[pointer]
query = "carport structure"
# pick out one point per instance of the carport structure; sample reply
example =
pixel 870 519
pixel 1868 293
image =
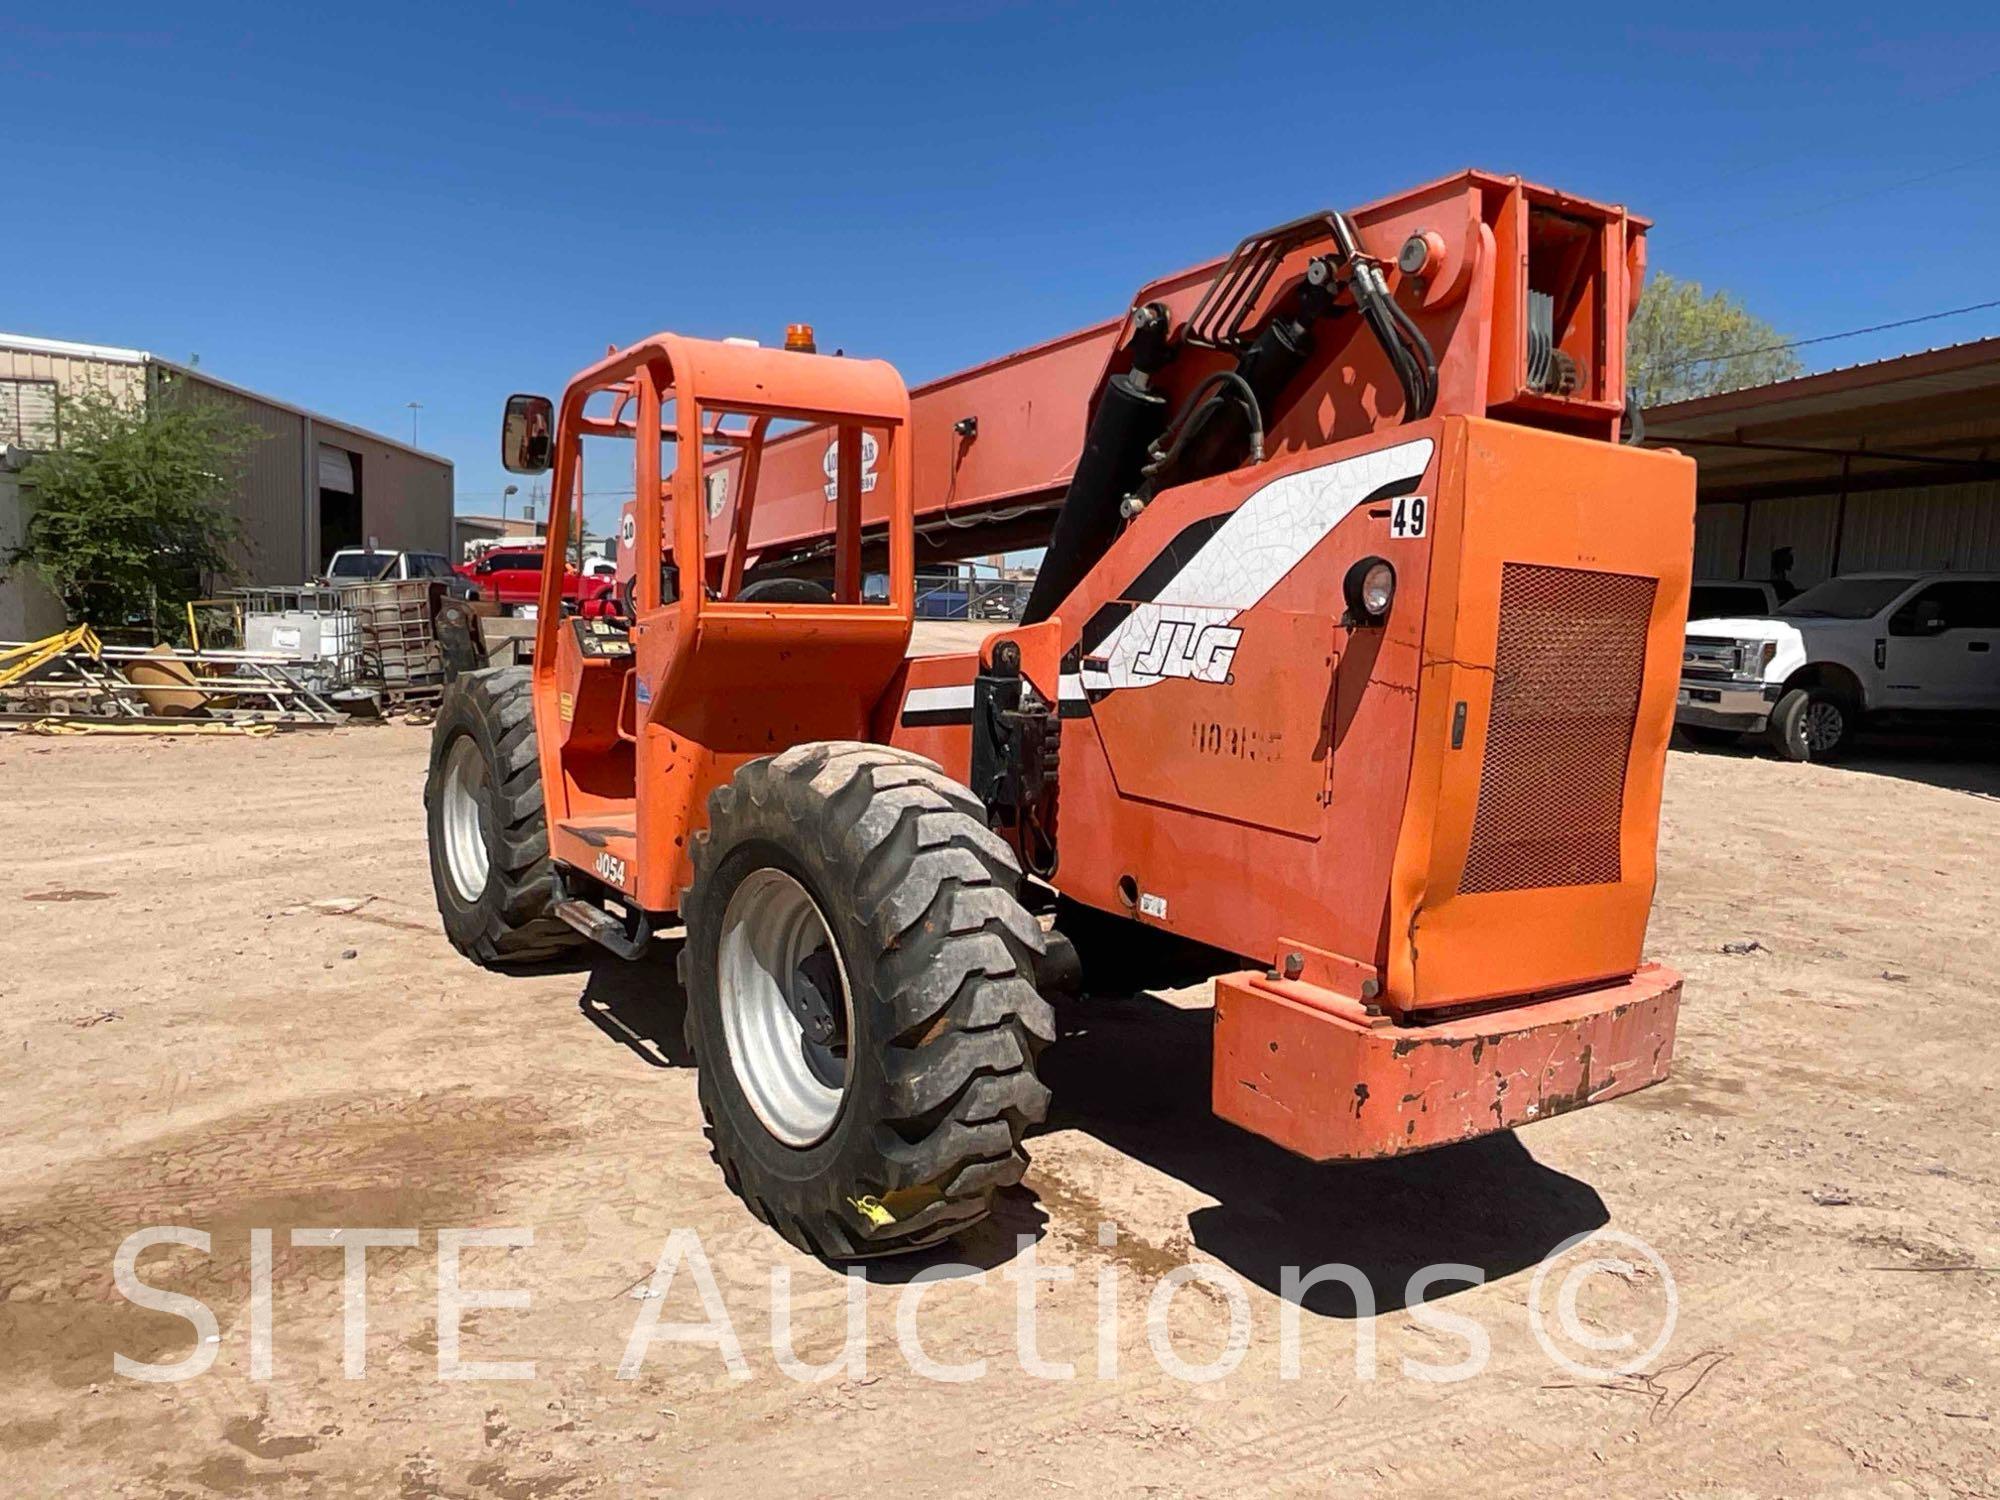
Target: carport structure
pixel 1894 464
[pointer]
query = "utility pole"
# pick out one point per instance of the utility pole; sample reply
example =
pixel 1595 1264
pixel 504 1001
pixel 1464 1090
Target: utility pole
pixel 415 407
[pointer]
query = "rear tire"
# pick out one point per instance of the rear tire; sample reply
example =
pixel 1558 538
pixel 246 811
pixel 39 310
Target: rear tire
pixel 928 1083
pixel 489 841
pixel 1812 724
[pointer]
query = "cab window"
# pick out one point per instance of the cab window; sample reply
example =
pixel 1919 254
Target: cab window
pixel 1716 601
pixel 1844 598
pixel 362 565
pixel 1964 605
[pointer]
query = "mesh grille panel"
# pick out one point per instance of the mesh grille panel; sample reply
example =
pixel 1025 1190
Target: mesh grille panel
pixel 1571 653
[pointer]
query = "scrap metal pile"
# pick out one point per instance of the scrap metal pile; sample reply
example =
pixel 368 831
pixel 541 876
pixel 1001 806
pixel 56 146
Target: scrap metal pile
pixel 369 640
pixel 75 678
pixel 308 657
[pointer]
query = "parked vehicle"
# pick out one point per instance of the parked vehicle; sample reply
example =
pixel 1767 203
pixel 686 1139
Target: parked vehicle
pixel 364 565
pixel 512 577
pixel 1849 649
pixel 1731 599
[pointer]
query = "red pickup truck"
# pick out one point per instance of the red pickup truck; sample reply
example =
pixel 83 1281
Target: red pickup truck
pixel 512 577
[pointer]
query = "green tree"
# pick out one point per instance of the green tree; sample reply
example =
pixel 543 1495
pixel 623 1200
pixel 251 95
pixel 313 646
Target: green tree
pixel 130 513
pixel 1685 342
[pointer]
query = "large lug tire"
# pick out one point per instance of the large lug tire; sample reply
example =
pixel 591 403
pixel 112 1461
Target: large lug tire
pixel 489 839
pixel 869 877
pixel 1812 723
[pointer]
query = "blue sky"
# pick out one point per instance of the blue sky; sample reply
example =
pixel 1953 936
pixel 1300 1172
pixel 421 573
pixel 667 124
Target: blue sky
pixel 356 206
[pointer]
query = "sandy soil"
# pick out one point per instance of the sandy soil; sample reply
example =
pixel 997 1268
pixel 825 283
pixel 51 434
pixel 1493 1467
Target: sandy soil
pixel 224 1004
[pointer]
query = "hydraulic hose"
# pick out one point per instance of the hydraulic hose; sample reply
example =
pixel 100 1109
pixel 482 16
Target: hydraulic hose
pixel 1409 352
pixel 1184 424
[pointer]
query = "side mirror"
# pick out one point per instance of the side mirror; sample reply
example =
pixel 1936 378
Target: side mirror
pixel 527 435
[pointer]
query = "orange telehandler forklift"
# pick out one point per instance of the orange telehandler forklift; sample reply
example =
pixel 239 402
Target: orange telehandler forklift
pixel 1353 653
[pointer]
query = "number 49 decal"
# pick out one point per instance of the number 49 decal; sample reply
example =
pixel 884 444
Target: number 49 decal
pixel 1409 516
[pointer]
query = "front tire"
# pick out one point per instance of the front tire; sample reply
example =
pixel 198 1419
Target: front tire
pixel 489 841
pixel 861 1001
pixel 1812 724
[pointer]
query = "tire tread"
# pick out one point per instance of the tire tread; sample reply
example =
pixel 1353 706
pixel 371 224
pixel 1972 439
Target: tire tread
pixel 936 890
pixel 520 928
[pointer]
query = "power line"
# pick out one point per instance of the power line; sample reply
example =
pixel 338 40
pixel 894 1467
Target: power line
pixel 1885 124
pixel 1827 338
pixel 1842 201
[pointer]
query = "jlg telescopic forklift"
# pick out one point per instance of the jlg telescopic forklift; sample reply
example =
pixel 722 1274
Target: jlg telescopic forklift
pixel 1353 653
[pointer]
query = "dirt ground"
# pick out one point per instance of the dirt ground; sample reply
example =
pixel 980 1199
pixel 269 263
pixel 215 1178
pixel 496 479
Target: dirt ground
pixel 225 1004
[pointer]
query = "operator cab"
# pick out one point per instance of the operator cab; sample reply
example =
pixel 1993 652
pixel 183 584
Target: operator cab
pixel 650 695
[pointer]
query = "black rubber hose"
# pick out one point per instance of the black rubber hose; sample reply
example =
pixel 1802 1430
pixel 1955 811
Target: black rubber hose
pixel 1128 420
pixel 1193 413
pixel 1381 318
pixel 1420 349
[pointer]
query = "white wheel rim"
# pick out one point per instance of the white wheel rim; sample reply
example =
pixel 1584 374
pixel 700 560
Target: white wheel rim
pixel 1823 725
pixel 465 814
pixel 771 927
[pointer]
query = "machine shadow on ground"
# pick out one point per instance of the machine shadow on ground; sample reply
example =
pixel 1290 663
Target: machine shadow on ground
pixel 1134 1073
pixel 639 1004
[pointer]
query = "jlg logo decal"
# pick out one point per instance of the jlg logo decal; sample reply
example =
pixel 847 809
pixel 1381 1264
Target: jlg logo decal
pixel 1186 629
pixel 1185 648
pixel 611 870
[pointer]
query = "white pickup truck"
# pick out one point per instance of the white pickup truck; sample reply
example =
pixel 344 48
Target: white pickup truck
pixel 1731 599
pixel 365 565
pixel 1850 648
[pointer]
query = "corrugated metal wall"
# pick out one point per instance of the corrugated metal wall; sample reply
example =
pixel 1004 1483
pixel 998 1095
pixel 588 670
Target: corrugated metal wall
pixel 268 501
pixel 1929 527
pixel 70 372
pixel 406 496
pixel 1954 526
pixel 28 611
pixel 1718 540
pixel 406 499
pixel 1806 524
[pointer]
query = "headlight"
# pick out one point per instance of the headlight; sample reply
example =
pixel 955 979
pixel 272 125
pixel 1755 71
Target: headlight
pixel 1752 657
pixel 1370 587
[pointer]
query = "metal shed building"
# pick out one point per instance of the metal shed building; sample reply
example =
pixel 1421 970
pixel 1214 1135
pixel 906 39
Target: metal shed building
pixel 1894 464
pixel 312 484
